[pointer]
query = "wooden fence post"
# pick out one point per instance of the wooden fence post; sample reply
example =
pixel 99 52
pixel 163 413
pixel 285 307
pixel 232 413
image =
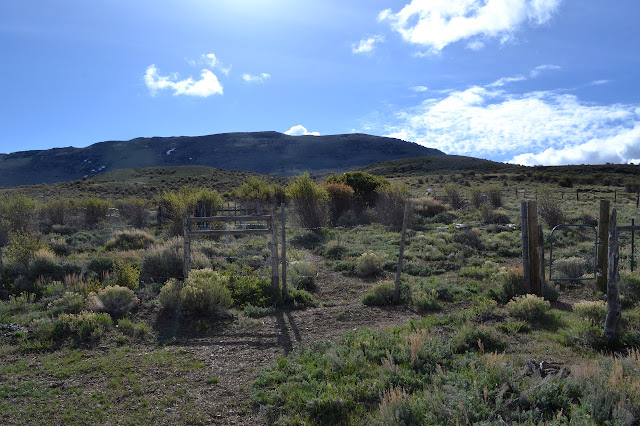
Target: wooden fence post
pixel 543 282
pixel 603 247
pixel 284 252
pixel 614 308
pixel 186 264
pixel 275 283
pixel 534 258
pixel 525 245
pixel 405 219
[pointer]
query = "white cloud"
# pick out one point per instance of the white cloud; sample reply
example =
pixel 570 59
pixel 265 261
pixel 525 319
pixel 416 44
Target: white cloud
pixel 475 45
pixel 540 127
pixel 419 89
pixel 207 85
pixel 211 60
pixel 367 45
pixel 261 78
pixel 547 67
pixel 300 130
pixel 438 23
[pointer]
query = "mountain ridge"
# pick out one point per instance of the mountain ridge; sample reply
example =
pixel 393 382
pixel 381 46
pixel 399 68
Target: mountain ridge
pixel 266 152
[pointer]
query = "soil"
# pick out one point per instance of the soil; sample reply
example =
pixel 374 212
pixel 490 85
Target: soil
pixel 241 346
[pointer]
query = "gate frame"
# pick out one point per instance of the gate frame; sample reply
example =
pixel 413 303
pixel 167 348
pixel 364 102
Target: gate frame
pixel 595 257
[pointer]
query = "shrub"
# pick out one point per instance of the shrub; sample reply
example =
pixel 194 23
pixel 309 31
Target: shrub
pixel 169 296
pixel 310 202
pixel 134 239
pixel 303 274
pixel 494 194
pixel 22 246
pixel 570 267
pixel 494 217
pixel 632 185
pixel 126 275
pixel 85 326
pixel 204 292
pixel 473 338
pixel 565 181
pixel 131 329
pixel 256 190
pixel 335 252
pixel 44 263
pixel 17 212
pixel 134 210
pixel 173 204
pixel 54 212
pixel 100 265
pixel 593 311
pixel 529 307
pixel 340 200
pixel 454 195
pixel 365 186
pixel 429 207
pixel 370 264
pixel 390 204
pixel 247 287
pixel 629 288
pixel 425 300
pixel 380 294
pixel 69 303
pixel 470 238
pixel 477 198
pixel 511 283
pixel 163 261
pixel 549 209
pixel 114 300
pixel 95 211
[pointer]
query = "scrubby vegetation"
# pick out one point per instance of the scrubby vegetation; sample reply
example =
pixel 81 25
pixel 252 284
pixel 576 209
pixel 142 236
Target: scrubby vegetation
pixel 94 293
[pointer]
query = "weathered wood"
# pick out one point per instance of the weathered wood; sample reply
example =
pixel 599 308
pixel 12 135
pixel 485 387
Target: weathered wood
pixel 263 218
pixel 543 282
pixel 186 265
pixel 534 259
pixel 405 219
pixel 275 282
pixel 284 251
pixel 603 250
pixel 614 308
pixel 525 245
pixel 231 232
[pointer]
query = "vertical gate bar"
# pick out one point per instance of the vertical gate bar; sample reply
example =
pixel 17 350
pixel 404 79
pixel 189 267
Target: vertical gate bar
pixel 525 243
pixel 534 259
pixel 633 232
pixel 284 251
pixel 603 247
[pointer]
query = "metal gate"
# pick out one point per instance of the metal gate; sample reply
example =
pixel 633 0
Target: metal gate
pixel 595 253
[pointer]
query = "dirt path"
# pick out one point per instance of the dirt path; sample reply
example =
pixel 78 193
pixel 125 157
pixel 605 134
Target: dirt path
pixel 237 351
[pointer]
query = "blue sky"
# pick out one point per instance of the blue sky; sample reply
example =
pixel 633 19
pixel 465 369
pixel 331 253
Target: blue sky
pixel 526 81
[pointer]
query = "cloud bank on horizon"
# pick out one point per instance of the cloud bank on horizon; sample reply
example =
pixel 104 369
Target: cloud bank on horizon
pixel 551 127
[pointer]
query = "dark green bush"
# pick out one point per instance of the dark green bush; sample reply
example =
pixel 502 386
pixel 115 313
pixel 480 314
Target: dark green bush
pixel 134 239
pixel 473 338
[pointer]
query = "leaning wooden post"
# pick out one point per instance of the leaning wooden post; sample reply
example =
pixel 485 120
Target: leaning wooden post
pixel 405 219
pixel 275 284
pixel 525 245
pixel 614 308
pixel 186 264
pixel 543 282
pixel 603 247
pixel 284 252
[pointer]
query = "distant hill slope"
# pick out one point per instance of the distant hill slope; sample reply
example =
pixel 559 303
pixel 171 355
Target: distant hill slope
pixel 442 164
pixel 260 152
